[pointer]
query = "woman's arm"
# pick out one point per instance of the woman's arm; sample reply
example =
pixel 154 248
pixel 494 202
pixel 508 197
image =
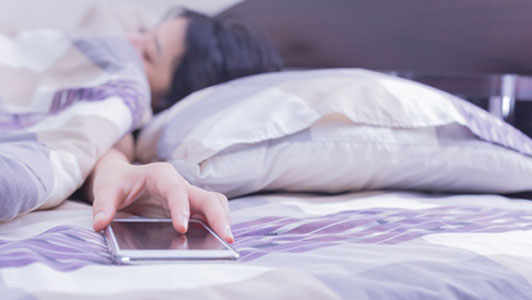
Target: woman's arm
pixel 150 189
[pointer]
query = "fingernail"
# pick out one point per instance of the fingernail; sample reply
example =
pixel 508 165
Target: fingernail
pixel 184 222
pixel 228 233
pixel 99 216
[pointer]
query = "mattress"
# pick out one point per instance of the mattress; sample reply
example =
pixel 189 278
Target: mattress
pixel 366 245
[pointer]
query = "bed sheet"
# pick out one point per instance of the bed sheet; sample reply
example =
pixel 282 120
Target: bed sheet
pixel 368 245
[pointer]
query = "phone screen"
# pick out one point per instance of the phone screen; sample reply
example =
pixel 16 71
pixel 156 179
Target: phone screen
pixel 144 235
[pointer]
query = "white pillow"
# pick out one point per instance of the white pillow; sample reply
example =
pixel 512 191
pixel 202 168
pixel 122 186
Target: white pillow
pixel 336 130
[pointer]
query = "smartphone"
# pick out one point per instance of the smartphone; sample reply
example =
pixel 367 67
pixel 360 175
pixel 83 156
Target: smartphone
pixel 143 240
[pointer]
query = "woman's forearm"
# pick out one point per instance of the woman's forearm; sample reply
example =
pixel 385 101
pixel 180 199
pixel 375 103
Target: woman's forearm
pixel 126 146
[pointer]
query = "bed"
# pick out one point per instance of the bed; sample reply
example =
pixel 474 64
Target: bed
pixel 366 245
pixel 357 184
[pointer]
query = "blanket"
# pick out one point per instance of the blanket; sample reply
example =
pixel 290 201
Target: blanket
pixel 366 245
pixel 64 100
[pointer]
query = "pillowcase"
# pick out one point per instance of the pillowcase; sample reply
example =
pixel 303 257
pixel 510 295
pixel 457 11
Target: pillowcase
pixel 336 130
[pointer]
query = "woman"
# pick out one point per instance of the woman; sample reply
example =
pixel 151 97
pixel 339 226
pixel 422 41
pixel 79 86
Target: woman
pixel 184 53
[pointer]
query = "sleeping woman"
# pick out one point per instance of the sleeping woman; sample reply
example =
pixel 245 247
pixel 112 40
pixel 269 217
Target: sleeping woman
pixel 65 100
pixel 186 52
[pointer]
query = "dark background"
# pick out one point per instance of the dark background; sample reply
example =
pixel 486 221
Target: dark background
pixel 478 36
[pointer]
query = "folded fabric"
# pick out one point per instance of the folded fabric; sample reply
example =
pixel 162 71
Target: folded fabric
pixel 64 101
pixel 336 130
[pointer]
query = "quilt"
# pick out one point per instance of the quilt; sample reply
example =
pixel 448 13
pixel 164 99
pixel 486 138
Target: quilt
pixel 365 245
pixel 64 100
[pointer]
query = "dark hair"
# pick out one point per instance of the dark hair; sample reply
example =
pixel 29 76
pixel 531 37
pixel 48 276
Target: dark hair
pixel 218 50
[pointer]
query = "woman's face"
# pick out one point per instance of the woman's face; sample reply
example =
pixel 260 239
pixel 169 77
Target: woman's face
pixel 161 50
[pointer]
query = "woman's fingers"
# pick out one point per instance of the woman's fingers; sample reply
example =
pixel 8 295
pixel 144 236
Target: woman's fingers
pixel 225 204
pixel 213 207
pixel 104 206
pixel 169 185
pixel 159 184
pixel 113 192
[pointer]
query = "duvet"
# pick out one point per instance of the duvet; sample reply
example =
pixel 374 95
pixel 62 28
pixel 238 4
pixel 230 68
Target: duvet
pixel 64 100
pixel 368 245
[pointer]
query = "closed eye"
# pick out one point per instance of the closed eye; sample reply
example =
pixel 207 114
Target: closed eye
pixel 146 55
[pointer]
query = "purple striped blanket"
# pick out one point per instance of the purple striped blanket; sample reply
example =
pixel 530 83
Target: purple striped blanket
pixel 373 245
pixel 64 100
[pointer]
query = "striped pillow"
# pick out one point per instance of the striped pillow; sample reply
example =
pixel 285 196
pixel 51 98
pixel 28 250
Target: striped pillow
pixel 333 131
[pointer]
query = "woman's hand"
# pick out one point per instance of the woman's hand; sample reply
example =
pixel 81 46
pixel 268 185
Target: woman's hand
pixel 153 189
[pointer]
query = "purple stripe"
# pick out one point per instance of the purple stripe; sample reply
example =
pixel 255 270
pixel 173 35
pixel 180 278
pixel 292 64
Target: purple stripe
pixel 491 129
pixel 374 226
pixel 25 179
pixel 109 53
pixel 63 248
pixel 129 91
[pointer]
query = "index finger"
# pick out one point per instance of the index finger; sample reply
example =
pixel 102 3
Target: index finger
pixel 172 188
pixel 104 206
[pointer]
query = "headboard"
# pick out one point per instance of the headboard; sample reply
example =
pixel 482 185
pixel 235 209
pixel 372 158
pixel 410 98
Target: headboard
pixel 473 36
pixel 475 48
